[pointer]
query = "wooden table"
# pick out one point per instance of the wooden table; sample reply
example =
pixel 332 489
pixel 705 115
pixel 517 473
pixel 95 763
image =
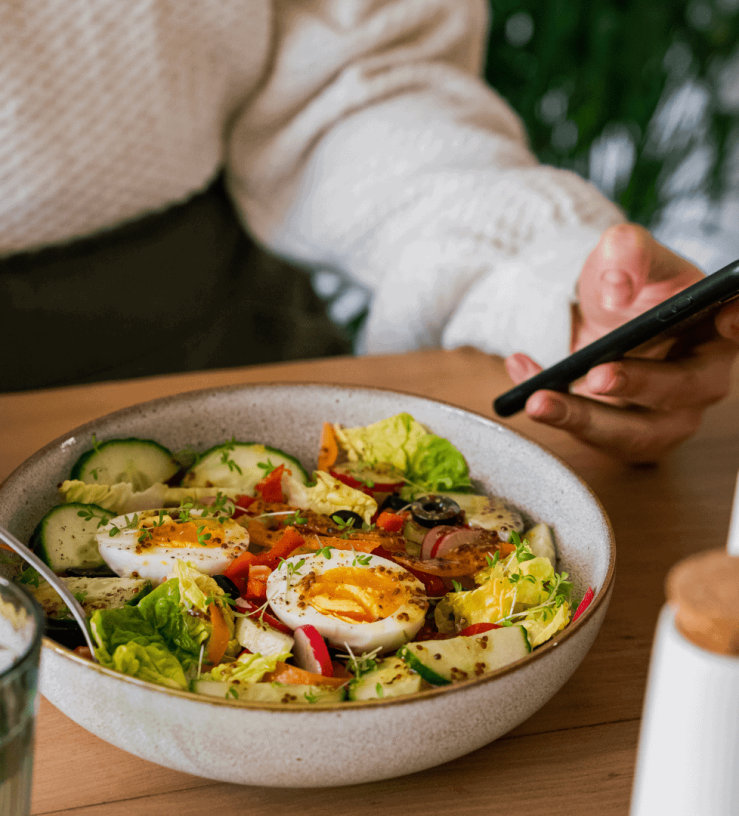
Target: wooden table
pixel 575 756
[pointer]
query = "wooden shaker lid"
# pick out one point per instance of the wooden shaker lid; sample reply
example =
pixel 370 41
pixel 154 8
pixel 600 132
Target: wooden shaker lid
pixel 704 590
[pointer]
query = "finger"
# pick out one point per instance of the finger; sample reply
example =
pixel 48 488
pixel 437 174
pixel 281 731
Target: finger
pixel 627 273
pixel 694 382
pixel 520 367
pixel 727 322
pixel 637 435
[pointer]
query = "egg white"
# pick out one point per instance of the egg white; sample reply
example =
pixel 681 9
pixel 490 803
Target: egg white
pixel 384 634
pixel 124 554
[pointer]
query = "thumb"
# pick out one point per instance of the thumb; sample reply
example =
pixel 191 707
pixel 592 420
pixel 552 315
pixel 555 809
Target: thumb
pixel 520 367
pixel 628 272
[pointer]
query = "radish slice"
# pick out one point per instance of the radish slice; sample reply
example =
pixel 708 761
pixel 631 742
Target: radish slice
pixel 431 539
pixel 584 603
pixel 453 540
pixel 310 651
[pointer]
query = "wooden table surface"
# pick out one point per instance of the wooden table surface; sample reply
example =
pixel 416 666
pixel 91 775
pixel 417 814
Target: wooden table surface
pixel 576 756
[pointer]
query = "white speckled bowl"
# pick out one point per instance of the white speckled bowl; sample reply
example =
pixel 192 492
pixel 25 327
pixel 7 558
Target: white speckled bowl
pixel 333 744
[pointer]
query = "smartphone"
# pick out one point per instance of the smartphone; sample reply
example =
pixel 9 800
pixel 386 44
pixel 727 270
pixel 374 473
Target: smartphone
pixel 671 318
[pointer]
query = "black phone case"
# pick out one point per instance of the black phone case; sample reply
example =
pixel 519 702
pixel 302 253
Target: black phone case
pixel 672 316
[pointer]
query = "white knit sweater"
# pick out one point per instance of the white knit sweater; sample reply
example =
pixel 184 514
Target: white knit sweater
pixel 356 134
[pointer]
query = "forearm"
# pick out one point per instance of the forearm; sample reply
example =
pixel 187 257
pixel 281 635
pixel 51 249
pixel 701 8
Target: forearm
pixel 400 168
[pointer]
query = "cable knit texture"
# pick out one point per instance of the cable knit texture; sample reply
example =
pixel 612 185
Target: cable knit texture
pixel 356 135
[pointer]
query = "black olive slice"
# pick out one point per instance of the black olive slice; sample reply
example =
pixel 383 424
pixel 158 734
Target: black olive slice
pixel 228 586
pixel 394 502
pixel 432 511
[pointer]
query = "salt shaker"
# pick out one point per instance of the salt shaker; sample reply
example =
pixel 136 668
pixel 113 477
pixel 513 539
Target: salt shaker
pixel 688 759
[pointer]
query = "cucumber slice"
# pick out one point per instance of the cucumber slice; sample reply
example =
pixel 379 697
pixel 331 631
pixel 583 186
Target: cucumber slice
pixel 237 464
pixel 139 462
pixel 391 678
pixel 260 638
pixel 92 593
pixel 462 658
pixel 268 692
pixel 65 537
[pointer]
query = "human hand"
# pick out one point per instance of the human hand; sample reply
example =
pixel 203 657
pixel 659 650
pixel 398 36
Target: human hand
pixel 635 409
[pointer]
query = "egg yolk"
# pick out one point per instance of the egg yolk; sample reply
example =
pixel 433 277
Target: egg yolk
pixel 354 595
pixel 186 534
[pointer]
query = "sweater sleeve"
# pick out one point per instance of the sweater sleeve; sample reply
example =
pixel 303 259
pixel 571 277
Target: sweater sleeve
pixel 373 148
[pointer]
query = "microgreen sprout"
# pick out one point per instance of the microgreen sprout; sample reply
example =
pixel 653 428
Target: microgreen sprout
pixel 341 523
pixel 291 567
pixel 221 508
pixel 232 693
pixel 203 538
pixel 89 514
pixel 145 535
pixel 200 659
pixel 311 696
pixel 296 518
pixel 361 664
pixel 494 560
pixel 267 467
pixel 379 690
pixel 225 599
pixel 363 559
pixel 230 464
pixel 457 586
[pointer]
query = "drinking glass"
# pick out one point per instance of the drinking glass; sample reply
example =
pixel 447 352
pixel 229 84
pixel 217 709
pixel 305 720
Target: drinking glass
pixel 21 630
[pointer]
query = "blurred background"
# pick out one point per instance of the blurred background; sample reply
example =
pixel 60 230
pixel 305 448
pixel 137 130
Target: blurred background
pixel 639 96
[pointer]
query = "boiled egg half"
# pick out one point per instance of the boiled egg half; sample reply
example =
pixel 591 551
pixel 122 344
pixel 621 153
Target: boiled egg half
pixel 147 544
pixel 354 600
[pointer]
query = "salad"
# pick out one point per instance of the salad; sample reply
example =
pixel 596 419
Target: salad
pixel 235 573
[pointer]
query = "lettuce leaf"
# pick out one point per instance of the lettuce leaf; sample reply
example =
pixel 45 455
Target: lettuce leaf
pixel 522 589
pixel 128 643
pixel 435 464
pixel 430 462
pixel 153 662
pixel 183 633
pixel 544 622
pixel 249 668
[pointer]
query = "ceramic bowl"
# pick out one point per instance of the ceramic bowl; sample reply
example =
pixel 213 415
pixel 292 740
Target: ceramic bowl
pixel 332 744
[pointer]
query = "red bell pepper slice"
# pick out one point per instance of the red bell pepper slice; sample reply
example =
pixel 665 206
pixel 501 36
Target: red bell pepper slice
pixel 271 486
pixel 479 628
pixel 256 587
pixel 390 522
pixel 289 540
pixel 241 504
pixel 239 568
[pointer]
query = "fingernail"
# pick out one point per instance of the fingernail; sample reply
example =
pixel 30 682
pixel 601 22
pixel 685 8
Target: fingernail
pixel 516 369
pixel 617 290
pixel 606 381
pixel 552 410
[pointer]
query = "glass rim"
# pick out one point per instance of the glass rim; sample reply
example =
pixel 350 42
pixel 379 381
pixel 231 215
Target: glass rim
pixel 39 618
